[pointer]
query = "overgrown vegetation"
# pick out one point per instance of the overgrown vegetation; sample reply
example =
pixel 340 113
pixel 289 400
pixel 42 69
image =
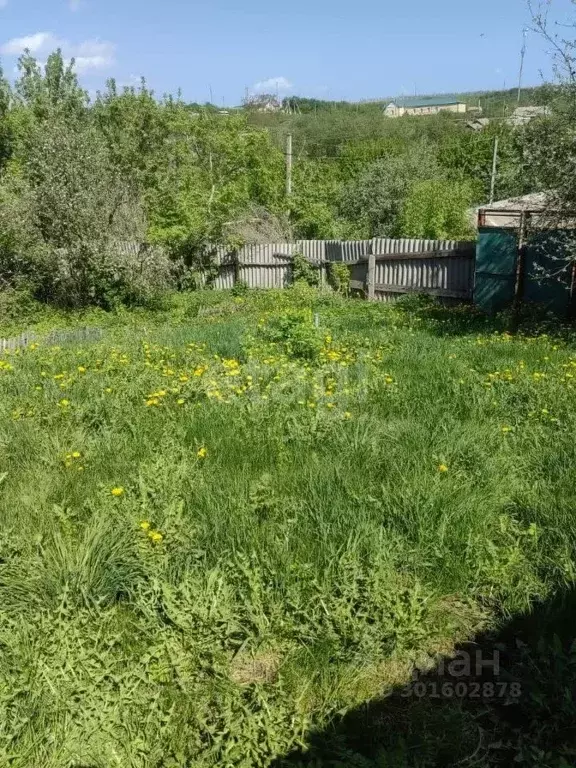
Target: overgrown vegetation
pixel 83 183
pixel 223 525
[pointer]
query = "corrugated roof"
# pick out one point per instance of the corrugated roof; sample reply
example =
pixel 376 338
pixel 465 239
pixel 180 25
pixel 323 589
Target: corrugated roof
pixel 537 201
pixel 428 101
pixel 507 213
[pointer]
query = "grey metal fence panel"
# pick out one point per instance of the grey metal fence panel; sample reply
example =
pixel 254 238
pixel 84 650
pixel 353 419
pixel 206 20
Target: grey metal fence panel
pixel 225 279
pixel 268 265
pixel 334 250
pixel 355 249
pixel 54 338
pixel 315 250
pixel 439 275
pixel 358 273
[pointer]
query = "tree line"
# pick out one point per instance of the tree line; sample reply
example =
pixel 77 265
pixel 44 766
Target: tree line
pixel 82 180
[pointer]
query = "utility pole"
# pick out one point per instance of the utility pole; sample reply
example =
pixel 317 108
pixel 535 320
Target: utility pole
pixel 522 56
pixel 494 169
pixel 288 165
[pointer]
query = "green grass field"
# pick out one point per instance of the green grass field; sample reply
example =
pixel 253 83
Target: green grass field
pixel 218 532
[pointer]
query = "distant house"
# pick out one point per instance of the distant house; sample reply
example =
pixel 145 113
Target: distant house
pixel 263 103
pixel 523 115
pixel 423 105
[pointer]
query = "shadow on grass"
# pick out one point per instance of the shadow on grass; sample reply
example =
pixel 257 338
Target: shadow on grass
pixel 464 319
pixel 507 699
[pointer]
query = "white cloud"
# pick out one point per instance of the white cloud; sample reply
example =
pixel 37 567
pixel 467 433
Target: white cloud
pixel 93 54
pixel 39 41
pixel 85 63
pixel 89 54
pixel 273 84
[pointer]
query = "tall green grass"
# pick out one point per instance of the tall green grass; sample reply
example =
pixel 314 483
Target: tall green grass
pixel 331 505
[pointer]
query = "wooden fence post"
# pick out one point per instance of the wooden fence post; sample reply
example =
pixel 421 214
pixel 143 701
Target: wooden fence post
pixel 370 276
pixel 236 261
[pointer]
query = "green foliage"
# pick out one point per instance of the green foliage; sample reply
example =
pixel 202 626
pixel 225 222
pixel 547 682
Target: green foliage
pixel 304 271
pixel 374 201
pixel 240 288
pixel 437 210
pixel 64 213
pixel 185 178
pixel 213 170
pixel 339 277
pixel 42 92
pixel 295 333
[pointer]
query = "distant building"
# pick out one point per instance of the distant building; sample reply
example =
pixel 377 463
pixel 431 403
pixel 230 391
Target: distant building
pixel 523 115
pixel 262 103
pixel 423 105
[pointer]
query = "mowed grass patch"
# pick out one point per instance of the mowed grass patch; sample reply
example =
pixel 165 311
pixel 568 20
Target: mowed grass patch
pixel 219 530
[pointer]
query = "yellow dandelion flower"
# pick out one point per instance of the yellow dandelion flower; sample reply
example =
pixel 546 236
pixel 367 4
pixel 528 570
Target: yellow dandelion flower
pixel 64 403
pixel 118 491
pixel 155 536
pixel 442 468
pixel 347 415
pixel 145 525
pixel 81 369
pixel 181 401
pixel 76 454
pixel 202 452
pixel 506 430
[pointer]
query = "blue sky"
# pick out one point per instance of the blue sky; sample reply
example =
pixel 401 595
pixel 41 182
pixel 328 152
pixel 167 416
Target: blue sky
pixel 323 48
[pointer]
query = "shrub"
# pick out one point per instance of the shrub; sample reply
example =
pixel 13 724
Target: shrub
pixel 339 277
pixel 296 332
pixel 65 212
pixel 304 271
pixel 240 288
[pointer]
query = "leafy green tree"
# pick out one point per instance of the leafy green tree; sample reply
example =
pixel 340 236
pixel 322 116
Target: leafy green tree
pixel 53 91
pixel 436 209
pixel 467 156
pixel 314 205
pixel 134 125
pixel 5 128
pixel 64 212
pixel 214 169
pixel 373 202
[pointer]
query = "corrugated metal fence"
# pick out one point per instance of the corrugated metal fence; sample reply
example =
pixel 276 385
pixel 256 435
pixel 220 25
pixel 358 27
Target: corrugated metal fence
pixel 442 268
pixel 438 267
pixel 55 338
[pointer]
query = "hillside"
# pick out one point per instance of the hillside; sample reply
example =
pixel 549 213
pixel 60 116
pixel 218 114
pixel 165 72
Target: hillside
pixel 496 103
